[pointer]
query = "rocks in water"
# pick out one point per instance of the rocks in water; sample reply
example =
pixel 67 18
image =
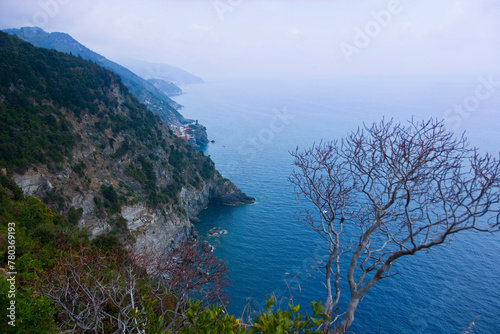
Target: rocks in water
pixel 213 231
pixel 206 247
pixel 216 231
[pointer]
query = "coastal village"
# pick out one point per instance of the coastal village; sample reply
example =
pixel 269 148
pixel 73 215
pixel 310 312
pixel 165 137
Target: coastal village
pixel 192 133
pixel 184 132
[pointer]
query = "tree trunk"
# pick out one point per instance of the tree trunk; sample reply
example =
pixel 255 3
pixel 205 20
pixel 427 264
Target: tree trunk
pixel 329 298
pixel 349 316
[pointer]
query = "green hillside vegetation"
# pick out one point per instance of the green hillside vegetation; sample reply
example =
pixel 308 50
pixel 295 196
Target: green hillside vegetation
pixel 158 100
pixel 38 233
pixel 33 126
pixel 36 84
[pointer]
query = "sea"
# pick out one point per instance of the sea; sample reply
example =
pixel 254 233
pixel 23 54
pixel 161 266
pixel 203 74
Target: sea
pixel 256 122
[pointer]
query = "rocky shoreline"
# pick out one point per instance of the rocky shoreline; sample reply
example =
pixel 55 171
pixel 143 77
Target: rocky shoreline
pixel 151 227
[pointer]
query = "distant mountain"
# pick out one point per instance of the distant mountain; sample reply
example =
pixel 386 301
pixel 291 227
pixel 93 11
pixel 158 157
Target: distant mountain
pixel 157 101
pixel 162 71
pixel 165 87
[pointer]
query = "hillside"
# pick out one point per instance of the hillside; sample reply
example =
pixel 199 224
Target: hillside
pixel 165 87
pixel 155 99
pixel 73 136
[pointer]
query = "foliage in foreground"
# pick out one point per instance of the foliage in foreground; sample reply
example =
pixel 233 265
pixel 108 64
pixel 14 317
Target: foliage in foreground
pixel 215 320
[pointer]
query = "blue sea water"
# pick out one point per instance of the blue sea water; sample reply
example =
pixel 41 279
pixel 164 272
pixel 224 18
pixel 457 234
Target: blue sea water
pixel 255 123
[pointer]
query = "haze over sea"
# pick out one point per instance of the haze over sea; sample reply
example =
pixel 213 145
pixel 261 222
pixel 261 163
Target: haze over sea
pixel 255 123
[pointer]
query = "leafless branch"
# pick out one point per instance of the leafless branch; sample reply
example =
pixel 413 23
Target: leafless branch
pixel 398 189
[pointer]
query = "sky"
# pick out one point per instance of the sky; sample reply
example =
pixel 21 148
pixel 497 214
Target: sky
pixel 279 37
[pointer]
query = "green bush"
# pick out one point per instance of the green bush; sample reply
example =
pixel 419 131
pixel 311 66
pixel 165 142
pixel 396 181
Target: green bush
pixel 111 199
pixel 214 319
pixel 74 215
pixel 107 242
pixel 210 320
pixel 34 313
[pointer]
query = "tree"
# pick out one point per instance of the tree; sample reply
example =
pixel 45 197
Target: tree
pixel 187 271
pixel 114 290
pixel 389 190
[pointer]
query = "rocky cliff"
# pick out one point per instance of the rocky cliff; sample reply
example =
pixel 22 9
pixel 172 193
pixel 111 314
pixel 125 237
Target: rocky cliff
pixel 146 226
pixel 76 138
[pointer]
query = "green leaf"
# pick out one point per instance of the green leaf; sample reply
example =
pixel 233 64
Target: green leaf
pixel 269 303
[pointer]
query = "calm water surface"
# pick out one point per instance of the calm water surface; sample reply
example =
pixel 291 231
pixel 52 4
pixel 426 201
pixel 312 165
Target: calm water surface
pixel 255 123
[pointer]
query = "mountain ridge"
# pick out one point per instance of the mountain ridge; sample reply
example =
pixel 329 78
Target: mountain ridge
pixel 155 99
pixel 169 73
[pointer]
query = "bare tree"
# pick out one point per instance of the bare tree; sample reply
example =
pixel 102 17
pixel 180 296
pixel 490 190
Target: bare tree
pixel 390 190
pixel 121 292
pixel 92 290
pixel 187 271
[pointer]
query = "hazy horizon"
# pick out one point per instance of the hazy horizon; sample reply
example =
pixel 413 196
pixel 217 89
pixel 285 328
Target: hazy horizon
pixel 276 37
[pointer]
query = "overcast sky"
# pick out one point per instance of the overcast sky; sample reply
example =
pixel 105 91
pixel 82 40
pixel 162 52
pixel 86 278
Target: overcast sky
pixel 278 37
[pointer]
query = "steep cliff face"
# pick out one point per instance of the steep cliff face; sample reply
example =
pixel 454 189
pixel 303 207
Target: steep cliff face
pixel 163 226
pixel 157 228
pixel 79 141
